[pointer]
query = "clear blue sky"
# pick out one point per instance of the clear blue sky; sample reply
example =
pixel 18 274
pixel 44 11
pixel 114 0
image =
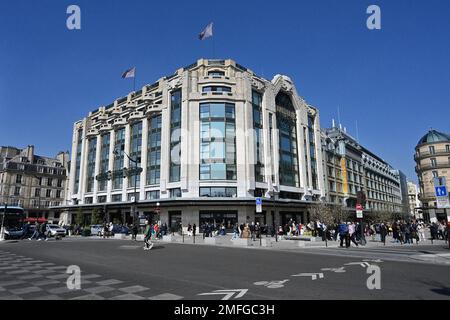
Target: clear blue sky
pixel 51 77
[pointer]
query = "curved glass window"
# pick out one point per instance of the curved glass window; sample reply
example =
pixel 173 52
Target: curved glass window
pixel 136 146
pixel 287 125
pixel 104 160
pixel 216 73
pixel 216 89
pixel 154 150
pixel 119 145
pixel 78 160
pixel 175 136
pixel 92 150
pixel 218 141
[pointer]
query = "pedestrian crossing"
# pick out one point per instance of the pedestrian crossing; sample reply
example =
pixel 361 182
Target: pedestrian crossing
pixel 24 278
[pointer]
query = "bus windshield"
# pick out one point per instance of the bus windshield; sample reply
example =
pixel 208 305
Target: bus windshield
pixel 12 218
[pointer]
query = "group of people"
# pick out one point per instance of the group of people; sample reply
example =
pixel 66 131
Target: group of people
pixel 40 231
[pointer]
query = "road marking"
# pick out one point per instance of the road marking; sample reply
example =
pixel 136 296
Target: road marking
pixel 272 284
pixel 228 293
pixel 362 264
pixel 312 275
pixel 337 270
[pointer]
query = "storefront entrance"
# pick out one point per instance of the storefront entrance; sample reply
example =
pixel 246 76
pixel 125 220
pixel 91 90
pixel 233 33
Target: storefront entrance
pixel 227 218
pixel 175 221
pixel 294 216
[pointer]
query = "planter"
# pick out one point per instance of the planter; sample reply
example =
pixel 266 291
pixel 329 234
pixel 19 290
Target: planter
pixel 243 242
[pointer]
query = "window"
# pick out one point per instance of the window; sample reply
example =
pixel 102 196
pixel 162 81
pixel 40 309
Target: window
pixel 49 182
pixel 135 154
pixel 88 200
pixel 431 149
pixel 435 174
pixel 37 192
pixel 216 73
pixel 131 195
pixel 287 125
pixel 433 162
pixel 175 193
pixel 19 178
pixel 116 198
pixel 59 184
pixel 104 162
pixel 218 141
pixel 447 148
pixel 58 194
pixel 215 89
pixel 17 191
pixel 258 136
pixel 152 195
pixel 48 193
pixel 78 160
pixel 92 151
pixel 154 150
pixel 218 192
pixel 119 146
pixel 175 136
pixel 101 199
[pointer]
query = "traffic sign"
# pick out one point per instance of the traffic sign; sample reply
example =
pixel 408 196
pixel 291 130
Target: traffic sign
pixel 359 214
pixel 441 191
pixel 258 205
pixel 443 203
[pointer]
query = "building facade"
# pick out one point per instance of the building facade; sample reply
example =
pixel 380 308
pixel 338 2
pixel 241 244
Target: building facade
pixel 33 182
pixel 415 206
pixel 351 168
pixel 199 146
pixel 432 158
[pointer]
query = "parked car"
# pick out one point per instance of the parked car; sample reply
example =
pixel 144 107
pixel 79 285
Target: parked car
pixel 120 229
pixel 97 229
pixel 54 230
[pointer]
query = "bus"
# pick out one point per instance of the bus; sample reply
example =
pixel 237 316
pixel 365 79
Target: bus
pixel 11 216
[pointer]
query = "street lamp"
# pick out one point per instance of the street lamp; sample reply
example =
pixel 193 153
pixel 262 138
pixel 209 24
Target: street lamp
pixel 271 195
pixel 135 161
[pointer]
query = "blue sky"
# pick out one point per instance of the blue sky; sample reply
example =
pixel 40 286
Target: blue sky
pixel 51 77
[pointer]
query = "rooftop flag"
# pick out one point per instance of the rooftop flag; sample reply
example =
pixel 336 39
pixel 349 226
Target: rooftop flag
pixel 129 73
pixel 208 32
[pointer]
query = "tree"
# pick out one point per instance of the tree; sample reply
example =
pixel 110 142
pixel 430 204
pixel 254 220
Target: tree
pixel 96 217
pixel 322 212
pixel 79 217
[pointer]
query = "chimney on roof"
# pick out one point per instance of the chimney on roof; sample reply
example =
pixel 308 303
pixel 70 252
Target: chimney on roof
pixel 30 153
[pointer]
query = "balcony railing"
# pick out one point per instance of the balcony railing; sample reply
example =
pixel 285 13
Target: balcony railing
pixel 430 166
pixel 428 154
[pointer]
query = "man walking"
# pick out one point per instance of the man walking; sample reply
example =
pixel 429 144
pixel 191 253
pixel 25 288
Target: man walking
pixel 351 233
pixel 147 236
pixel 343 235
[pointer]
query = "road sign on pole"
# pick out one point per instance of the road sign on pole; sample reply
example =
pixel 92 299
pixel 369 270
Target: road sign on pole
pixel 442 200
pixel 258 205
pixel 441 191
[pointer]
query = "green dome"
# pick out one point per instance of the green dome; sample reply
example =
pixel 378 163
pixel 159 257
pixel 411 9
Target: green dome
pixel 434 136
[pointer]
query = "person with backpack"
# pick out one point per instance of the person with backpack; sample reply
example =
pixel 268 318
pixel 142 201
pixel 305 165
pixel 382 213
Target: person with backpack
pixel 148 236
pixel 43 232
pixel 343 234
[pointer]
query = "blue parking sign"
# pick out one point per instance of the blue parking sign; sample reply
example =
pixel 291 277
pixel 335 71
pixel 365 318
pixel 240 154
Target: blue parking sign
pixel 441 191
pixel 258 201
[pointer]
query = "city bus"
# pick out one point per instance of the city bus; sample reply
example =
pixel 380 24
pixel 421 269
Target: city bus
pixel 11 216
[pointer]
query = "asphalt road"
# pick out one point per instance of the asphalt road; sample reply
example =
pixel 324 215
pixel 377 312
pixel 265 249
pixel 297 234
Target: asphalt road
pixel 120 269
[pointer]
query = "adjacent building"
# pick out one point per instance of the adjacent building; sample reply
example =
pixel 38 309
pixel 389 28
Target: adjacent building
pixel 33 182
pixel 432 158
pixel 351 169
pixel 199 146
pixel 415 205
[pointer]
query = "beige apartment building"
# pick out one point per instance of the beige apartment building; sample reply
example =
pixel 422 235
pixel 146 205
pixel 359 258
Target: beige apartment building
pixel 432 161
pixel 33 182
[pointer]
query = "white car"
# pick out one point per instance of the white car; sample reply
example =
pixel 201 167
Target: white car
pixel 54 230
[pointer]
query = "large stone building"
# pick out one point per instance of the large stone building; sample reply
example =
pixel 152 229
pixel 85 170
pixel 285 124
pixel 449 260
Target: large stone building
pixel 415 206
pixel 33 182
pixel 206 140
pixel 351 168
pixel 432 161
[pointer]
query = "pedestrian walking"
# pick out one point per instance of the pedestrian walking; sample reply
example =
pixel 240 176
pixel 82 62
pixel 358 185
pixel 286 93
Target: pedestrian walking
pixel 343 234
pixel 35 234
pixel 134 231
pixel 352 233
pixel 194 230
pixel 148 236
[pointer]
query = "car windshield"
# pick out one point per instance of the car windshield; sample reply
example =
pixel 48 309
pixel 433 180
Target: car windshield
pixel 53 226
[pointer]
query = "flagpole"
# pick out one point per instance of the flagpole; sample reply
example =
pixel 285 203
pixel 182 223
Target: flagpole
pixel 134 80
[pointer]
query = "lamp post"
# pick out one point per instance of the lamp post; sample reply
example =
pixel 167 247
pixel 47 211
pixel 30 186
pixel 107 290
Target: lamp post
pixel 135 162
